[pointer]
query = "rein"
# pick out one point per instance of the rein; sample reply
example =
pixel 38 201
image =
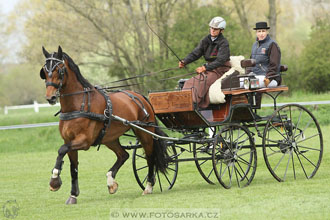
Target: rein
pixel 142 75
pixel 134 84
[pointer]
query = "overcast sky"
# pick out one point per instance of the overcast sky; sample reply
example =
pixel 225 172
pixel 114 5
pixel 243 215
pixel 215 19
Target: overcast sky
pixel 7 5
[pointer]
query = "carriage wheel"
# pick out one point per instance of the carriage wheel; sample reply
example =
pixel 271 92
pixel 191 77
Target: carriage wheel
pixel 234 156
pixel 292 143
pixel 163 181
pixel 203 160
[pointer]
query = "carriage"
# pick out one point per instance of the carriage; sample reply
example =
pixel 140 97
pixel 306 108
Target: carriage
pixel 222 139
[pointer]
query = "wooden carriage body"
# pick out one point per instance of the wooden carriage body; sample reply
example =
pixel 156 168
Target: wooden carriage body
pixel 175 109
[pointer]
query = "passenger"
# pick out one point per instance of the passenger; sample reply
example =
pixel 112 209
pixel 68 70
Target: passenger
pixel 215 49
pixel 267 54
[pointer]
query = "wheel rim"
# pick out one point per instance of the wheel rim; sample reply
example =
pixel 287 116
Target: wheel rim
pixel 163 181
pixel 203 161
pixel 292 143
pixel 234 157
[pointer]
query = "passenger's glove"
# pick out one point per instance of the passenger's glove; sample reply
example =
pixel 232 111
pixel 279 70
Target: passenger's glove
pixel 266 81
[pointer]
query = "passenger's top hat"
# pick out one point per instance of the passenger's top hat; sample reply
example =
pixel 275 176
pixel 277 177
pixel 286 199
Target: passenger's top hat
pixel 261 25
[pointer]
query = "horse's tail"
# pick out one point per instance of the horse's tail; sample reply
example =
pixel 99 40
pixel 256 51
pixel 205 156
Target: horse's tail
pixel 160 154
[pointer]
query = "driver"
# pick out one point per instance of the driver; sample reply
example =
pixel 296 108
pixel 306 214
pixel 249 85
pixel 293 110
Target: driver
pixel 215 49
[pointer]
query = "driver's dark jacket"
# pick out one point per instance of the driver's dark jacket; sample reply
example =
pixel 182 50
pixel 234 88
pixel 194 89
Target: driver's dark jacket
pixel 216 52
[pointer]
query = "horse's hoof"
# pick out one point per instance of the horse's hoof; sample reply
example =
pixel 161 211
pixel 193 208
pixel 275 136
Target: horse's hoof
pixel 71 200
pixel 55 184
pixel 148 189
pixel 113 189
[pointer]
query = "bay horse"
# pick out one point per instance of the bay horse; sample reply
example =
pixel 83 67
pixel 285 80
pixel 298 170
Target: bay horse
pixel 84 113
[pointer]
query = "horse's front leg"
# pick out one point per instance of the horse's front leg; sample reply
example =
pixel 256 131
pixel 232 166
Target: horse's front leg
pixel 73 156
pixel 55 181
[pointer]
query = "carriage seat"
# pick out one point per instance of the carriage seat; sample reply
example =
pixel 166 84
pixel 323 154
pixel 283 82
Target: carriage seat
pixel 283 68
pixel 228 80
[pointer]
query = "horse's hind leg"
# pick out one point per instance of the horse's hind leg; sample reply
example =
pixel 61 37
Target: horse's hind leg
pixel 122 156
pixel 73 156
pixel 147 144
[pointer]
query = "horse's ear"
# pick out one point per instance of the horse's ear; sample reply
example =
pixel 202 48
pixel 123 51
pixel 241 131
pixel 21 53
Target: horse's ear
pixel 45 52
pixel 42 74
pixel 59 53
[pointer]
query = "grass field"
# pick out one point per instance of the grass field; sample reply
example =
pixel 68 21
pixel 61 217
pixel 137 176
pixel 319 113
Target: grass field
pixel 28 155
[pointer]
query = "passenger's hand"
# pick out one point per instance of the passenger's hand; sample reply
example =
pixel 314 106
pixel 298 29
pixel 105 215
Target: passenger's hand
pixel 201 69
pixel 181 64
pixel 266 81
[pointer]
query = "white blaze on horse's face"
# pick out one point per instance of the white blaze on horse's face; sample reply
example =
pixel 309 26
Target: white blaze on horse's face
pixel 53 73
pixel 52 86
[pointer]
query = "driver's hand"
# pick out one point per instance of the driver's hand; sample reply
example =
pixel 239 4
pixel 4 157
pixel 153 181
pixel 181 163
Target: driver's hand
pixel 201 69
pixel 181 64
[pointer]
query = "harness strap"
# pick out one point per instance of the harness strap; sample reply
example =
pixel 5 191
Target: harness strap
pixel 107 121
pixel 79 114
pixel 106 117
pixel 141 105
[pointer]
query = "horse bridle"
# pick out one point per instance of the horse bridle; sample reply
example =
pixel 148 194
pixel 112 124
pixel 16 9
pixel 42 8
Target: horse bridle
pixel 54 62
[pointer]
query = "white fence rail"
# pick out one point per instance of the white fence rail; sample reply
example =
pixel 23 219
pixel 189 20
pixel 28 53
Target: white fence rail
pixel 35 106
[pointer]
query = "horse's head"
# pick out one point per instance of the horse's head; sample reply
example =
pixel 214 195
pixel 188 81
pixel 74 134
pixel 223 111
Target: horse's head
pixel 53 73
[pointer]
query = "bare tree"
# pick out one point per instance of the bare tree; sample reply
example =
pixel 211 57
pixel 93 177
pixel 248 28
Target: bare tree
pixel 240 7
pixel 272 16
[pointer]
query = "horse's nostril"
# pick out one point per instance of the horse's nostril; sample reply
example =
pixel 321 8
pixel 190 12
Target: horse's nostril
pixel 51 99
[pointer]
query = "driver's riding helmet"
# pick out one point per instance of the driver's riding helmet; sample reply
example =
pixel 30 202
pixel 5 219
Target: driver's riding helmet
pixel 218 22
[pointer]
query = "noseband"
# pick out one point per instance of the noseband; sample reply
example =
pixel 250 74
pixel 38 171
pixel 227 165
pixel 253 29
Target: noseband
pixel 54 62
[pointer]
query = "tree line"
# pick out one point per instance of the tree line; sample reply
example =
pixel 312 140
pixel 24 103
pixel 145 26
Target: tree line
pixel 110 40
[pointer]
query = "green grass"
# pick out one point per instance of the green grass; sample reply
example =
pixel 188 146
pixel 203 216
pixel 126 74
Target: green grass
pixel 28 116
pixel 25 178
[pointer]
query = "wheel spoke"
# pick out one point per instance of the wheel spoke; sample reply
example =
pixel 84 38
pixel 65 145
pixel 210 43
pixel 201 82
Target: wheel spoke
pixel 203 162
pixel 231 173
pixel 243 171
pixel 278 131
pixel 278 163
pixel 299 146
pixel 274 152
pixel 144 180
pixel 287 166
pixel 286 132
pixel 294 171
pixel 246 163
pixel 208 176
pixel 172 169
pixel 297 126
pixel 140 156
pixel 301 164
pixel 160 184
pixel 236 177
pixel 310 120
pixel 141 168
pixel 307 138
pixel 307 159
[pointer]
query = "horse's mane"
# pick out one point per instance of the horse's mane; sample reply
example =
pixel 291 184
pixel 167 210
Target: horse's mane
pixel 74 67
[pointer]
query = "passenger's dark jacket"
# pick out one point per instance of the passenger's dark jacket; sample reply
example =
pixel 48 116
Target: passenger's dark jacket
pixel 216 52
